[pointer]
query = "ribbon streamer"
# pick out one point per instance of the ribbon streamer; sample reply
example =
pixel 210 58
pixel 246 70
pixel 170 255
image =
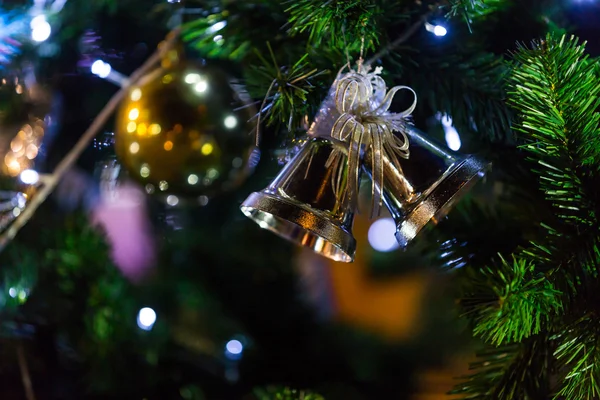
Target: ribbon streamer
pixel 366 122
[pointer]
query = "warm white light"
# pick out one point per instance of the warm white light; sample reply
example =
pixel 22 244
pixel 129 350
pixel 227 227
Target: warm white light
pixel 230 122
pixel 40 29
pixel 101 69
pixel 172 200
pixel 439 30
pixel 452 138
pixel 234 347
pixel 136 94
pixel 193 179
pixel 201 87
pixel 145 171
pixel 134 114
pixel 29 177
pixel 134 147
pixel 146 318
pixel 192 78
pixel 382 235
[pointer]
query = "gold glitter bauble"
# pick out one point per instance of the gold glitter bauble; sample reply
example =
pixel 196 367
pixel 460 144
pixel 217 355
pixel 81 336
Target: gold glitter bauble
pixel 184 133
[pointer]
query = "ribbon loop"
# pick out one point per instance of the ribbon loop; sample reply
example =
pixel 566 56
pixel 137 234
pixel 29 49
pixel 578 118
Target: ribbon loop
pixel 366 124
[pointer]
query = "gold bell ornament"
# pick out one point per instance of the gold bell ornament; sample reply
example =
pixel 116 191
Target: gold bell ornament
pixel 418 180
pixel 307 203
pixel 183 131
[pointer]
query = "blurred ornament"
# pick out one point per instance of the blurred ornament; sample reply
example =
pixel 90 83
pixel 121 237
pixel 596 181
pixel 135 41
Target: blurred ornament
pixel 24 123
pixel 303 206
pixel 184 132
pixel 121 211
pixel 24 148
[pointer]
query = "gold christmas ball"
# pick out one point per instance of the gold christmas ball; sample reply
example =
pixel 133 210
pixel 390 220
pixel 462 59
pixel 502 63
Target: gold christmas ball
pixel 185 134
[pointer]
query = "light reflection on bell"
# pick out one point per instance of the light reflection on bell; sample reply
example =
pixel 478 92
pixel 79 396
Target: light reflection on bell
pixel 430 183
pixel 301 204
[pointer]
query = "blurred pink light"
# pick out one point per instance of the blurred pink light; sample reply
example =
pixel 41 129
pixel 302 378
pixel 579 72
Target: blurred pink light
pixel 123 215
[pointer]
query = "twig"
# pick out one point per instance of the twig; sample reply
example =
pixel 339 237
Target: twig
pixel 67 162
pixel 401 39
pixel 262 106
pixel 25 377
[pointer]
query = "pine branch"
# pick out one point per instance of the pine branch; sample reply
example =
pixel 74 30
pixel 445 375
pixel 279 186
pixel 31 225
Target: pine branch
pixel 472 9
pixel 277 393
pixel 555 91
pixel 578 352
pixel 509 372
pixel 467 82
pixel 510 302
pixel 285 89
pixel 230 34
pixel 339 23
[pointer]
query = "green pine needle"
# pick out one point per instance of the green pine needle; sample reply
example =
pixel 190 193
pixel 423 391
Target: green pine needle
pixel 513 302
pixel 285 90
pixel 342 23
pixel 555 91
pixel 509 372
pixel 277 393
pixel 579 353
pixel 472 9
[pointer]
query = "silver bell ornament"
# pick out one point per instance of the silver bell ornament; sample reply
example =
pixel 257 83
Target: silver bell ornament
pixel 417 180
pixel 306 203
pixel 424 187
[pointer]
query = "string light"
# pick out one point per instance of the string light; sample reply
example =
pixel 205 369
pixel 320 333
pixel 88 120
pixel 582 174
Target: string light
pixel 29 177
pixel 451 134
pixel 217 26
pixel 437 30
pixel 146 318
pixel 40 29
pixel 234 349
pixel 382 235
pixel 104 70
pixel 101 69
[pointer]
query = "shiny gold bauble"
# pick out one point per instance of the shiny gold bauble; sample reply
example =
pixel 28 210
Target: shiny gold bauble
pixel 185 134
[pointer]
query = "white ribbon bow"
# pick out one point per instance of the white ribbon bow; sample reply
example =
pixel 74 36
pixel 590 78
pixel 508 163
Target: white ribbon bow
pixel 365 120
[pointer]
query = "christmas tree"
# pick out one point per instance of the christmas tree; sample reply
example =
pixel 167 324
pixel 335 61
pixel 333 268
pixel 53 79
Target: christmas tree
pixel 134 131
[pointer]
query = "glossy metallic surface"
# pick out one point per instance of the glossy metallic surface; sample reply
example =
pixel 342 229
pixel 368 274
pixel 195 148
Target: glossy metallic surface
pixel 301 205
pixel 185 132
pixel 431 181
